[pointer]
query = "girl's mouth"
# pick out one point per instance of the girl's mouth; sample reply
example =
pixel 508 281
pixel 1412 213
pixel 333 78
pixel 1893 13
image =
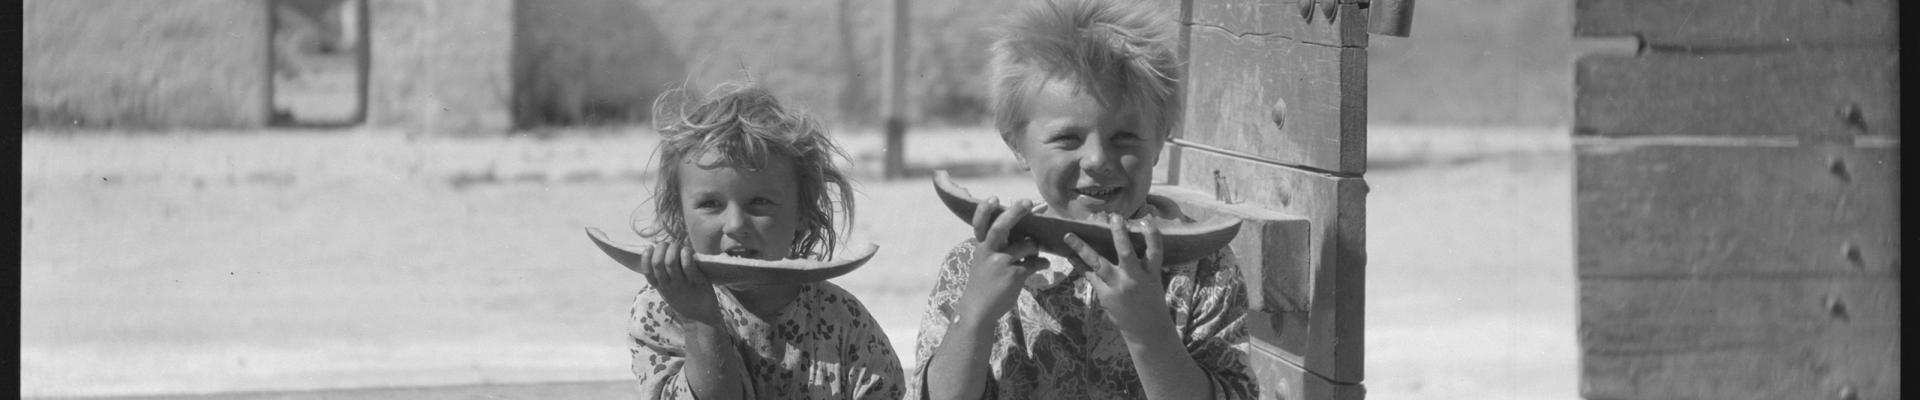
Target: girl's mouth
pixel 742 252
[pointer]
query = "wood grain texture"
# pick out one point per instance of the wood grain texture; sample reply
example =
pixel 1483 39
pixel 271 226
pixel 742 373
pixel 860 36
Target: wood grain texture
pixel 1830 93
pixel 1282 380
pixel 1272 249
pixel 1714 211
pixel 1317 22
pixel 1390 17
pixel 1236 84
pixel 1740 338
pixel 1336 210
pixel 1740 23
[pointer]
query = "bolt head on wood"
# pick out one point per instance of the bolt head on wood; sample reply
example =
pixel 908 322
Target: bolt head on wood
pixel 1279 114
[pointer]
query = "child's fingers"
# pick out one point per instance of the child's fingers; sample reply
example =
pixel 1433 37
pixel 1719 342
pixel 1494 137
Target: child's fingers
pixel 645 268
pixel 690 268
pixel 996 238
pixel 670 263
pixel 1022 249
pixel 1094 261
pixel 982 218
pixel 1156 248
pixel 654 272
pixel 640 266
pixel 1122 242
pixel 1099 283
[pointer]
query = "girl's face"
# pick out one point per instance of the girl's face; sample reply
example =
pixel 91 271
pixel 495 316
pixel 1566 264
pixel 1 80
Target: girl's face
pixel 738 212
pixel 1086 158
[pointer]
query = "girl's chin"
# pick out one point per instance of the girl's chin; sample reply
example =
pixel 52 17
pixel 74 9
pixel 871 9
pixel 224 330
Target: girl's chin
pixel 750 288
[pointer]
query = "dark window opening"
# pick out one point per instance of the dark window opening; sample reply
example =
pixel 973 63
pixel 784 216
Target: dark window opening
pixel 318 68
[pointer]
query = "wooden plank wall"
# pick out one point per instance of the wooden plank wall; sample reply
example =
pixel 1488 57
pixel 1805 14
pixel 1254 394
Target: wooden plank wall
pixel 1276 129
pixel 1737 189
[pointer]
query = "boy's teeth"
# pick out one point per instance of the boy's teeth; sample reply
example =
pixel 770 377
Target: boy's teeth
pixel 1097 192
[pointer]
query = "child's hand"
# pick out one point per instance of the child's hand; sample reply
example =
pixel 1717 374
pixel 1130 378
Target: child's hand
pixel 1130 288
pixel 672 271
pixel 1000 263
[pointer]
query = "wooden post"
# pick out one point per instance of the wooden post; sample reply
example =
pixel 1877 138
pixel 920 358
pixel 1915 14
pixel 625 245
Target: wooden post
pixel 1737 190
pixel 1390 17
pixel 1275 134
pixel 894 163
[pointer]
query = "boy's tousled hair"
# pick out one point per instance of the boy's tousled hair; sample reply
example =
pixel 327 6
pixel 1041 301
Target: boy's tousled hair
pixel 745 125
pixel 1121 53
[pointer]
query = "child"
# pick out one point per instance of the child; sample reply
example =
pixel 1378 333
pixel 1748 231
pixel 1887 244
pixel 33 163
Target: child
pixel 1084 94
pixel 743 176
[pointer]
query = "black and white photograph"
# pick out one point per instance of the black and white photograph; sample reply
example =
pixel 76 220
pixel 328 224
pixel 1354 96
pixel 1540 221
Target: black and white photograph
pixel 959 199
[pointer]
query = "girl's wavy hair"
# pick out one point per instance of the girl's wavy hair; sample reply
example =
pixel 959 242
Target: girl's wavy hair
pixel 745 126
pixel 1121 53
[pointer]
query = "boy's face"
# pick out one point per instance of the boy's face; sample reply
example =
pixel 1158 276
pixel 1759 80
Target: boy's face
pixel 742 213
pixel 1086 158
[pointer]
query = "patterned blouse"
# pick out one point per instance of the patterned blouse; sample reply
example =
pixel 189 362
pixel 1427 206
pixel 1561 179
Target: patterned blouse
pixel 1057 343
pixel 825 345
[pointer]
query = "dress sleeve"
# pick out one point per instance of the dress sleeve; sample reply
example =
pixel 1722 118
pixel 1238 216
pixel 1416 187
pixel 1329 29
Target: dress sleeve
pixel 939 315
pixel 658 350
pixel 1217 336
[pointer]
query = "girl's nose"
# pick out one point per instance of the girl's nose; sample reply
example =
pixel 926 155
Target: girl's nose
pixel 735 223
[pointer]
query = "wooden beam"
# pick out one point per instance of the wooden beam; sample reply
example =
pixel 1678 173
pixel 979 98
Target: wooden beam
pixel 1837 93
pixel 1281 380
pixel 1723 24
pixel 1318 22
pixel 1708 211
pixel 1731 338
pixel 1335 208
pixel 1297 104
pixel 1627 315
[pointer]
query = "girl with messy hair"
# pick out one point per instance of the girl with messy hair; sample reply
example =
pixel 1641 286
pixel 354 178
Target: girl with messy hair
pixel 1084 95
pixel 741 175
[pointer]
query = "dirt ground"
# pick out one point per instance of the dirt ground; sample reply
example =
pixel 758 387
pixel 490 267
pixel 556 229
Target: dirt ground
pixel 308 264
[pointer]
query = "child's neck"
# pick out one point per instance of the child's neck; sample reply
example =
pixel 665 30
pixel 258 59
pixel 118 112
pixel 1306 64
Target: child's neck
pixel 766 301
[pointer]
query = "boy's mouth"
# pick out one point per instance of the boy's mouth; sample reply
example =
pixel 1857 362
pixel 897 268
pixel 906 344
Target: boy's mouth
pixel 1104 194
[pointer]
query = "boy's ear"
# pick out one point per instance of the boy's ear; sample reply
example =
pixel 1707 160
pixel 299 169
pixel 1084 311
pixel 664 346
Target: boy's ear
pixel 1010 140
pixel 1018 156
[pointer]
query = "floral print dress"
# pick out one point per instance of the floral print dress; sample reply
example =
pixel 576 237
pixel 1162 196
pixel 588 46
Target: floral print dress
pixel 1057 342
pixel 824 345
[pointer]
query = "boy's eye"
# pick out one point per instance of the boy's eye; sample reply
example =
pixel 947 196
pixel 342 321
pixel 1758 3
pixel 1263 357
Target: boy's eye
pixel 1063 138
pixel 1126 137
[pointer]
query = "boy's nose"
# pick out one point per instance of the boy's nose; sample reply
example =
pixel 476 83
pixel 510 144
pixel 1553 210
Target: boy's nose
pixel 1096 157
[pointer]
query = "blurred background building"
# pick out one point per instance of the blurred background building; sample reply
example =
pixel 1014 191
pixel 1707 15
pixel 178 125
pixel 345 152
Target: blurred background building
pixel 484 67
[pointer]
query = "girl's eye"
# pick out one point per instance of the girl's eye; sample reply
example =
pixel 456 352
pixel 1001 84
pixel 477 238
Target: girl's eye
pixel 762 201
pixel 706 204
